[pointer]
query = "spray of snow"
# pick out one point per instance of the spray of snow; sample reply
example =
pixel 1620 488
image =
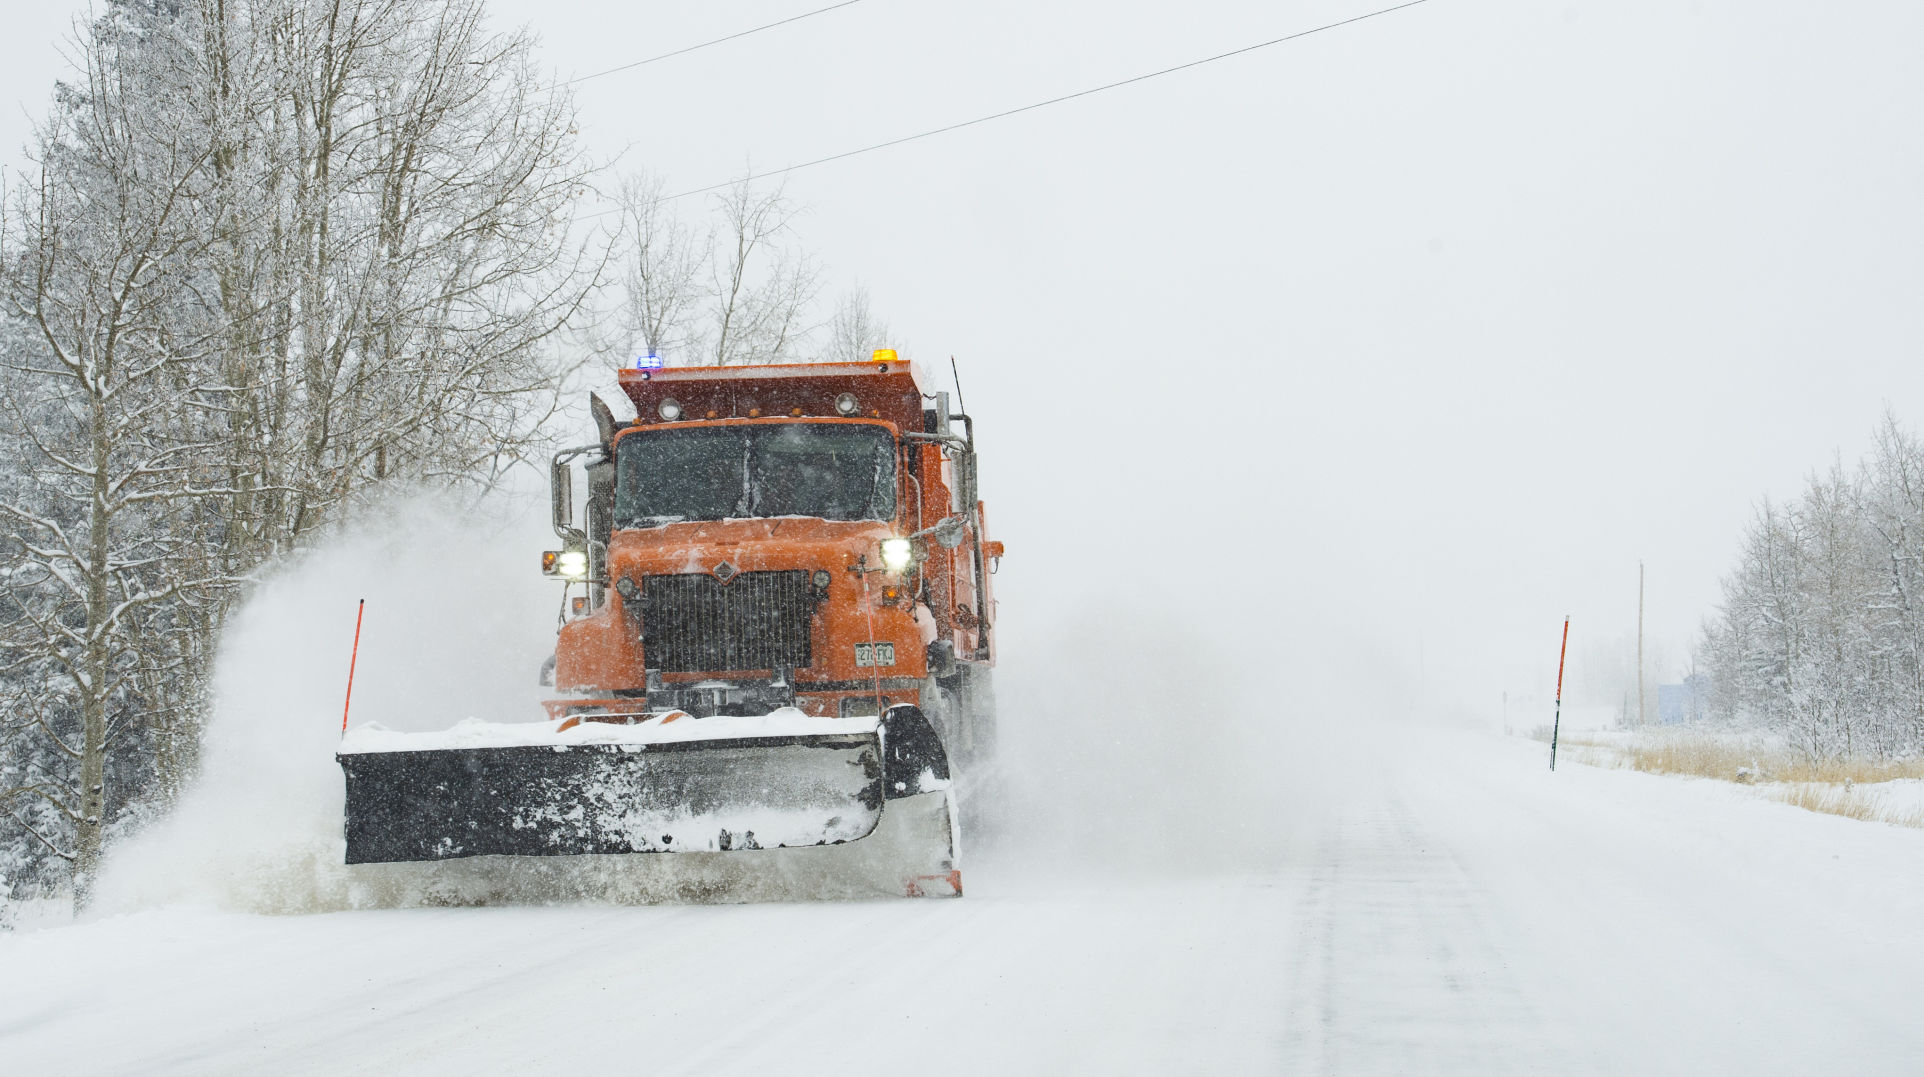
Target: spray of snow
pixel 1131 743
pixel 458 622
pixel 1145 737
pixel 261 828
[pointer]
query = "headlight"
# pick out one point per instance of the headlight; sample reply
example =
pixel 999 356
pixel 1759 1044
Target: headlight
pixel 669 409
pixel 572 564
pixel 896 553
pixel 846 404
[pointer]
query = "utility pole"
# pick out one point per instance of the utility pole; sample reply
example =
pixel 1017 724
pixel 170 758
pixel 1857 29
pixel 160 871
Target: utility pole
pixel 1642 718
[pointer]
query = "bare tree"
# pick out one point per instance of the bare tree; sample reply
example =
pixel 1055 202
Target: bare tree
pixel 762 286
pixel 737 291
pixel 662 273
pixel 397 256
pixel 853 332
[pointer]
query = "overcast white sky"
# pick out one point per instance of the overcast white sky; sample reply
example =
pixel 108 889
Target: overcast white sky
pixel 1365 357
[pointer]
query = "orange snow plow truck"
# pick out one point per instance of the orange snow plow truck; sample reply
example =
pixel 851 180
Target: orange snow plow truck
pixel 777 632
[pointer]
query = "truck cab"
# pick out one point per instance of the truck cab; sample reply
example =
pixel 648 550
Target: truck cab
pixel 804 536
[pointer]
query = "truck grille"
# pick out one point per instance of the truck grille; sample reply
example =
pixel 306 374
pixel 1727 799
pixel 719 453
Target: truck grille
pixel 697 624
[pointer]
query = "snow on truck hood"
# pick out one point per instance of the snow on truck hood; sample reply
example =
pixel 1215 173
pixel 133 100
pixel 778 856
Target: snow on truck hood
pixel 475 733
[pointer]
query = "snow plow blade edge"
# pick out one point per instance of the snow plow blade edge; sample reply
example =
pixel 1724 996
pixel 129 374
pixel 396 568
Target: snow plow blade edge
pixel 562 799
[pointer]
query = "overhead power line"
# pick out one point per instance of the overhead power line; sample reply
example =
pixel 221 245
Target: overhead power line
pixel 717 41
pixel 1039 104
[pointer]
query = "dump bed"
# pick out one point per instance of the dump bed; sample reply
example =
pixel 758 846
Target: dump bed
pixel 890 390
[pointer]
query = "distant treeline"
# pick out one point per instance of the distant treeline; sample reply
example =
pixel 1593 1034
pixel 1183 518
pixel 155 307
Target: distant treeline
pixel 1821 633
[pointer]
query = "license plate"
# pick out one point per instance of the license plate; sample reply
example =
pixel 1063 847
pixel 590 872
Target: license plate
pixel 875 654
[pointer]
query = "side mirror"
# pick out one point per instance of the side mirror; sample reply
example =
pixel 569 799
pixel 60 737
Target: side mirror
pixel 562 491
pixel 950 532
pixel 965 482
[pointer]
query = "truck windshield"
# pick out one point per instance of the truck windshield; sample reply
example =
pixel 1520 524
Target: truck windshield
pixel 831 471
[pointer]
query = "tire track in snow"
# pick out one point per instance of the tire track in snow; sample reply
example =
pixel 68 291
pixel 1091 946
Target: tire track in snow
pixel 1400 966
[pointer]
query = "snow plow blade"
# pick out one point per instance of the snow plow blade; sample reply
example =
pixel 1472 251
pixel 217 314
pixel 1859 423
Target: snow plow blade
pixel 614 793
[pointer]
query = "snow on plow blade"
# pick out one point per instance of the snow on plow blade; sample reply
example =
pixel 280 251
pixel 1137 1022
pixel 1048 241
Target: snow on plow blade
pixel 712 785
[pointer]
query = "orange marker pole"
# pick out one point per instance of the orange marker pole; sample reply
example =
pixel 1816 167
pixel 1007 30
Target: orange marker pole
pixel 351 659
pixel 1556 723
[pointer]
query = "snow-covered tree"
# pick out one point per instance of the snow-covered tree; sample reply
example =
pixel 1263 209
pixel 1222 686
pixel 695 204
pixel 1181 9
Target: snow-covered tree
pixel 396 189
pixel 1820 635
pixel 103 416
pixel 273 254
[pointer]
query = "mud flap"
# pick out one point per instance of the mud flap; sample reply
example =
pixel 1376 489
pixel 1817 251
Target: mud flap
pixel 561 799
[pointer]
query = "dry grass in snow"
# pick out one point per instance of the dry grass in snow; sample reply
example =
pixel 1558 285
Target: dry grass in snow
pixel 1850 800
pixel 1874 790
pixel 1748 761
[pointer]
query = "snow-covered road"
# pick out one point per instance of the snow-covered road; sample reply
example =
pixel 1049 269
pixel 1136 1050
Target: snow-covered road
pixel 1456 910
pixel 1479 914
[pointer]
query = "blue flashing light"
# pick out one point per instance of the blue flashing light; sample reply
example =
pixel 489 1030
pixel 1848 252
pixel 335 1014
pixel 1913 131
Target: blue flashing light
pixel 648 362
